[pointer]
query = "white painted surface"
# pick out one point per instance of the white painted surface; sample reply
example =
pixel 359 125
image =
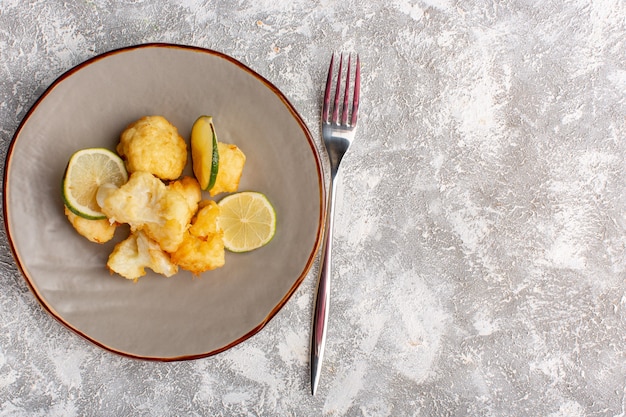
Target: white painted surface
pixel 480 264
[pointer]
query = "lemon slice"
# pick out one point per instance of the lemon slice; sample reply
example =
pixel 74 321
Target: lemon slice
pixel 204 153
pixel 86 171
pixel 248 220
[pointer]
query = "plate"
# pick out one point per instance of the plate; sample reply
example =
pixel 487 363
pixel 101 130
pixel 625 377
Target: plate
pixel 158 318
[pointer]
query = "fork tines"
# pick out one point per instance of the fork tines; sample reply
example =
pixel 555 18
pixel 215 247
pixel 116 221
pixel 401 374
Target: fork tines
pixel 346 110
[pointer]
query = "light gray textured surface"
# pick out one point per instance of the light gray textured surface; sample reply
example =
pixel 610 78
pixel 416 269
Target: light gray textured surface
pixel 480 244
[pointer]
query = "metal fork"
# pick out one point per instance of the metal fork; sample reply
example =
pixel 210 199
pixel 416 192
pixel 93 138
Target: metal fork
pixel 338 129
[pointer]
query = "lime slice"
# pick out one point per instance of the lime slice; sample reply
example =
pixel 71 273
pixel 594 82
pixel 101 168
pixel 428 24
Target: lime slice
pixel 248 221
pixel 86 171
pixel 204 153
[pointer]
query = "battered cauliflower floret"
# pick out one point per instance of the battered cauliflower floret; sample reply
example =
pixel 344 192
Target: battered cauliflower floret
pixel 190 189
pixel 232 160
pixel 152 144
pixel 203 247
pixel 177 209
pixel 146 203
pixel 131 257
pixel 98 231
pixel 205 222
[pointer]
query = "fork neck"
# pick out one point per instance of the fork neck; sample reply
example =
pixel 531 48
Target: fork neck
pixel 336 149
pixel 334 169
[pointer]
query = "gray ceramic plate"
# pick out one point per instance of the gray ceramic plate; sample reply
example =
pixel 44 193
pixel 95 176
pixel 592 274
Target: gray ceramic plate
pixel 162 318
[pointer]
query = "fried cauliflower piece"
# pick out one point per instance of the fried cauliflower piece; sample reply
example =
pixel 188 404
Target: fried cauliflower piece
pixel 98 231
pixel 232 160
pixel 177 216
pixel 131 257
pixel 203 247
pixel 190 189
pixel 146 203
pixel 152 144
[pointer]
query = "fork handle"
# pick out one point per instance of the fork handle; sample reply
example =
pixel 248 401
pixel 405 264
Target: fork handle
pixel 322 302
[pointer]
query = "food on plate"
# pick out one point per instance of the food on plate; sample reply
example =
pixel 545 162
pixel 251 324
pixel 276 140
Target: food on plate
pixel 145 203
pixel 132 256
pixel 217 166
pixel 86 171
pixel 189 188
pixel 248 220
pixel 98 231
pixel 203 246
pixel 204 153
pixel 152 144
pixel 232 161
pixel 171 227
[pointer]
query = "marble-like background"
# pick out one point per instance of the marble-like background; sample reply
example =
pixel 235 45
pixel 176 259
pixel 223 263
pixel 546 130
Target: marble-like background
pixel 481 231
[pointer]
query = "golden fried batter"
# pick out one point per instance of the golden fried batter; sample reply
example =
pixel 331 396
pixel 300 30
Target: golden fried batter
pixel 132 256
pixel 98 231
pixel 146 203
pixel 152 144
pixel 202 248
pixel 232 160
pixel 189 188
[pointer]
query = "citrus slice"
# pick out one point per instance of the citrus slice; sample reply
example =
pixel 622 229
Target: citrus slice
pixel 86 171
pixel 204 153
pixel 248 220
